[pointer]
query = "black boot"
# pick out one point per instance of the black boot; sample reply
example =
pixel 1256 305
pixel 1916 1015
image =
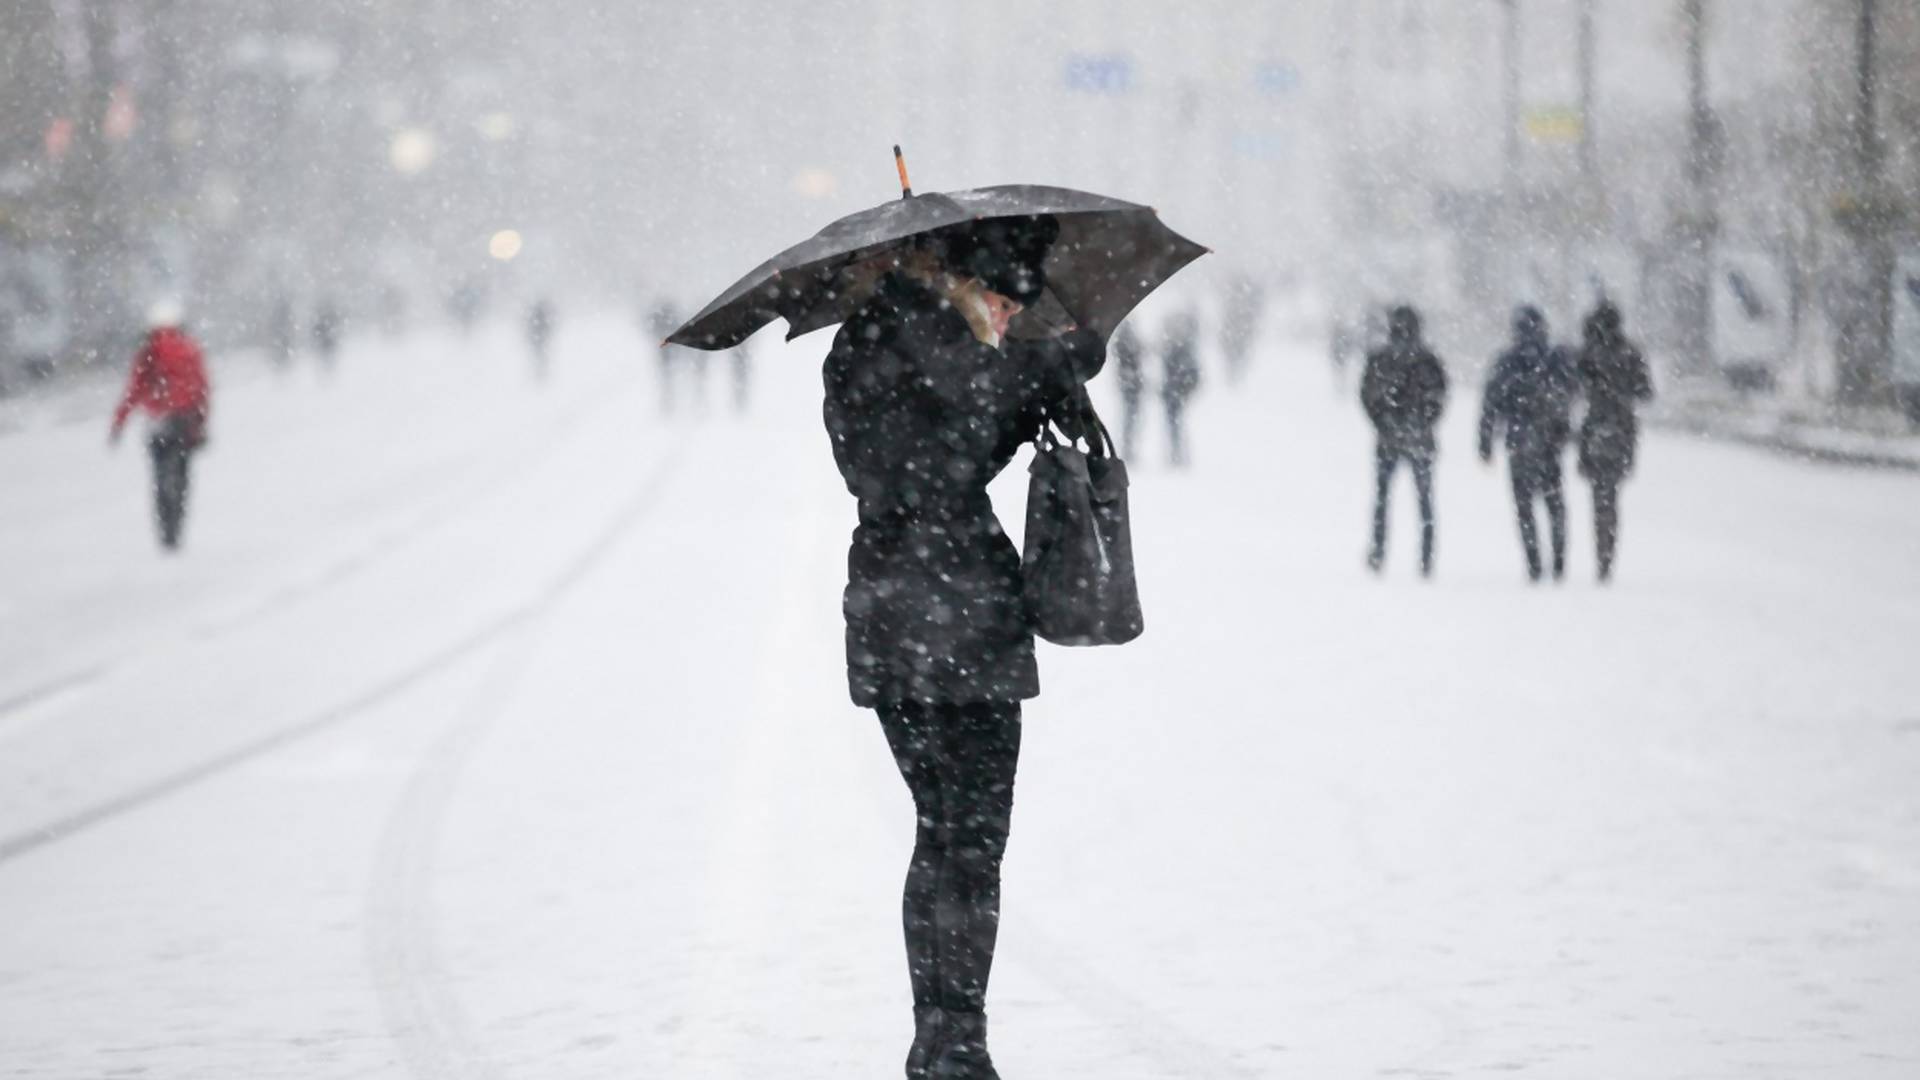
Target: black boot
pixel 929 1033
pixel 963 1052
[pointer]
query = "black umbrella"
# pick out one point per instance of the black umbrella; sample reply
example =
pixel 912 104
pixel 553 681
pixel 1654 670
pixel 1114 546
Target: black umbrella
pixel 1109 255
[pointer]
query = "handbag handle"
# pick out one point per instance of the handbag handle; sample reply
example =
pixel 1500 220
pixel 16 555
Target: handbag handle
pixel 1099 440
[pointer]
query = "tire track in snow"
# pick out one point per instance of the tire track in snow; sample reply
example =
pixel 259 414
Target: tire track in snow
pixel 424 1016
pixel 395 685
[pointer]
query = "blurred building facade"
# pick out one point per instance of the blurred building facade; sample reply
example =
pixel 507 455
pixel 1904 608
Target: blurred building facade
pixel 1674 199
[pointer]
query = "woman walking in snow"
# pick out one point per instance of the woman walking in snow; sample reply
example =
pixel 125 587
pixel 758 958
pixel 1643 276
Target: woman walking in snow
pixel 169 382
pixel 1615 380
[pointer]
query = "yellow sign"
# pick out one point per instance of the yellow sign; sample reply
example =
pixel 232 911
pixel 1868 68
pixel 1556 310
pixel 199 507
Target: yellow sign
pixel 1557 124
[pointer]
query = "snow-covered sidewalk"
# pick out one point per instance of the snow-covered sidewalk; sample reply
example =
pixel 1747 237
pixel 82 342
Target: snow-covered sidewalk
pixel 1878 440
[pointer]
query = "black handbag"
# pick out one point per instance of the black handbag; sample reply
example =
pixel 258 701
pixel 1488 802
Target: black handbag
pixel 1076 568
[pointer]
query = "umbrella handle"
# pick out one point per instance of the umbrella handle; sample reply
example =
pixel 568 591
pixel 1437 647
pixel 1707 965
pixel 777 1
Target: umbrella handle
pixel 900 165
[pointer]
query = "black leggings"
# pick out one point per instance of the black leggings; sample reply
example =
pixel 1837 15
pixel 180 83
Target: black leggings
pixel 1606 520
pixel 959 761
pixel 171 447
pixel 1542 479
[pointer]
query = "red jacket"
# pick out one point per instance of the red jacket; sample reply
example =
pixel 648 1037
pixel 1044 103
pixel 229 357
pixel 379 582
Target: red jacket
pixel 169 376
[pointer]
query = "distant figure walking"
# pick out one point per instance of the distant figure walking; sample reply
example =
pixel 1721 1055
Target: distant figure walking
pixel 1180 377
pixel 393 311
pixel 326 333
pixel 1404 390
pixel 1615 379
pixel 169 383
pixel 281 334
pixel 465 306
pixel 740 362
pixel 540 334
pixel 1126 356
pixel 1239 322
pixel 662 321
pixel 1530 396
pixel 1343 345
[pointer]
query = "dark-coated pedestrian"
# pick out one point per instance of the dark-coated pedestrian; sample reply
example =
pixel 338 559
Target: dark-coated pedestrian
pixel 327 328
pixel 1127 354
pixel 1529 397
pixel 540 325
pixel 282 334
pixel 661 322
pixel 926 401
pixel 1404 391
pixel 467 303
pixel 169 383
pixel 740 364
pixel 1239 324
pixel 1614 379
pixel 1344 343
pixel 1179 378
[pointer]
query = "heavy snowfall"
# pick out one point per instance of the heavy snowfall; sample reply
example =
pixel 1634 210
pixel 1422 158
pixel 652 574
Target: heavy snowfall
pixel 412 666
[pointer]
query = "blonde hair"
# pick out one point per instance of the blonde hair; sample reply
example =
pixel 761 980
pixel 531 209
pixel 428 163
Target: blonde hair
pixel 966 294
pixel 968 297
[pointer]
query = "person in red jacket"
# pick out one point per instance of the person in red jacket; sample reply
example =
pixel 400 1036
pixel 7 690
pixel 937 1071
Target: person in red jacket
pixel 169 383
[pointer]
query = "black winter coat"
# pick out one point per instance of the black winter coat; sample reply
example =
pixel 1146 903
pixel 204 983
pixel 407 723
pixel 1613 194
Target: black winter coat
pixel 922 415
pixel 1530 394
pixel 1614 377
pixel 1404 391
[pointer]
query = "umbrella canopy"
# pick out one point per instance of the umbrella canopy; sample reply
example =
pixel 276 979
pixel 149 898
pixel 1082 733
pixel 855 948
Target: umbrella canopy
pixel 1109 255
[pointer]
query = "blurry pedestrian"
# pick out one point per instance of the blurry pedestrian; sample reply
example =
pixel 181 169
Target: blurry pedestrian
pixel 1530 395
pixel 327 328
pixel 393 311
pixel 169 383
pixel 1343 345
pixel 540 334
pixel 465 306
pixel 1239 322
pixel 696 364
pixel 282 334
pixel 1133 382
pixel 1180 377
pixel 662 321
pixel 740 361
pixel 1614 379
pixel 926 401
pixel 1404 390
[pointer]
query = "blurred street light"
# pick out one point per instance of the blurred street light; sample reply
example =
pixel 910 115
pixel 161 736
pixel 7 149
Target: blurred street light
pixel 412 151
pixel 815 183
pixel 504 245
pixel 497 126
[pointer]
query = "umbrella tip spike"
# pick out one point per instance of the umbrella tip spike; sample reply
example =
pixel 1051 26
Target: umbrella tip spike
pixel 900 165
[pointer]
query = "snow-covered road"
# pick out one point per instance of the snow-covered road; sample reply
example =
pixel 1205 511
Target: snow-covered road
pixel 487 729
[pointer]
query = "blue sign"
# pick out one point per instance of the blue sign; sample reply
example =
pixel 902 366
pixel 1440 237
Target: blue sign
pixel 1277 78
pixel 1099 73
pixel 1259 145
